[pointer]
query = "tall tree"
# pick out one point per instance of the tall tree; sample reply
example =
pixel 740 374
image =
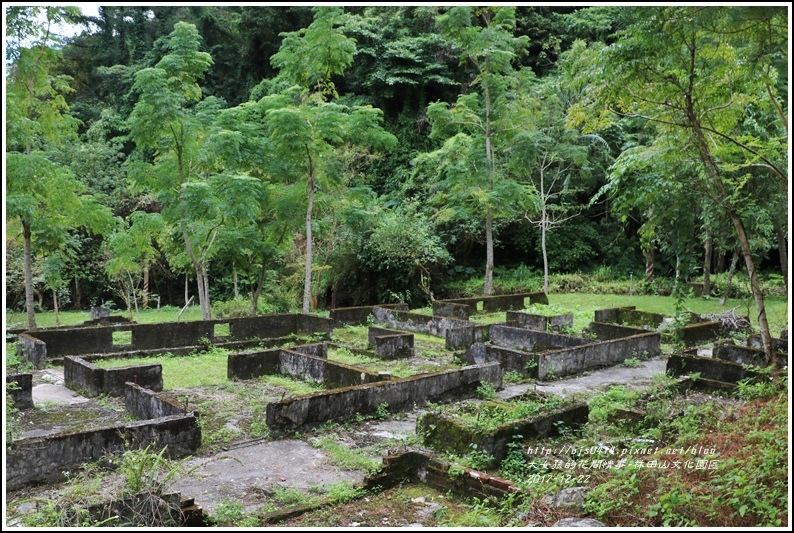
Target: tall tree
pixel 673 68
pixel 37 117
pixel 306 132
pixel 484 38
pixel 167 121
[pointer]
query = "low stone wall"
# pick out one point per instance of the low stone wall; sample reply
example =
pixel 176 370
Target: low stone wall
pixel 502 302
pixel 93 380
pixel 22 395
pixel 391 344
pixel 451 310
pixel 699 333
pixel 399 394
pixel 519 319
pixel 145 404
pixel 744 355
pixel 307 367
pixel 708 368
pixel 463 337
pixel 530 340
pixel 32 349
pixel 421 466
pixel 60 342
pixel 755 341
pixel 629 316
pixel 573 360
pixel 416 323
pixel 524 363
pixel 317 349
pixel 608 332
pixel 355 316
pixel 448 434
pixel 41 460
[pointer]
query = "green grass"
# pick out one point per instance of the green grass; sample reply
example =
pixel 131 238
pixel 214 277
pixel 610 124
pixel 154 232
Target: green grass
pixel 583 305
pixel 194 370
pixel 70 318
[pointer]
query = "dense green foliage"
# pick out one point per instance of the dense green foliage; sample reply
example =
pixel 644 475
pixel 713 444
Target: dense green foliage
pixel 298 157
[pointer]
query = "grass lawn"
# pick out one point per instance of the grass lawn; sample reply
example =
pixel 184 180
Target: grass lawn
pixel 583 306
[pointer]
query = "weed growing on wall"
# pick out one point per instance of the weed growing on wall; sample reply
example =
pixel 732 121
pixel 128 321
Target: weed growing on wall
pixel 84 499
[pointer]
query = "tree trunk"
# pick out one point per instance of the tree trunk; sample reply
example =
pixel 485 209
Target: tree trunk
pixel 781 247
pixel 731 272
pixel 145 294
pixel 307 282
pixel 488 253
pixel 55 307
pixel 78 295
pixel 134 297
pixel 719 263
pixel 543 250
pixel 259 285
pixel 187 292
pixel 758 295
pixel 201 279
pixel 488 289
pixel 28 267
pixel 744 242
pixel 707 254
pixel 649 264
pixel 713 171
pixel 234 279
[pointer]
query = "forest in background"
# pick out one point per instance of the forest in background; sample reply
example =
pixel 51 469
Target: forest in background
pixel 217 151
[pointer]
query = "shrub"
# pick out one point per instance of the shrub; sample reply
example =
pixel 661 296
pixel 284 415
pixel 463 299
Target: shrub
pixel 232 308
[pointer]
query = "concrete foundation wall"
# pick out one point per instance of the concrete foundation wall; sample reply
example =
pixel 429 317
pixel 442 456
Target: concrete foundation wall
pixel 330 373
pixel 355 316
pixel 149 376
pixel 416 323
pixel 579 358
pixel 755 341
pixel 93 380
pixel 629 316
pixel 519 319
pixel 420 466
pixel 42 460
pixel 22 395
pixel 312 409
pixel 391 344
pixel 298 365
pixel 169 334
pixel 79 374
pixel 451 310
pixel 529 340
pixel 511 360
pixel 252 365
pixel 145 404
pixel 447 434
pixel 318 349
pixel 503 302
pixel 31 349
pixel 99 339
pixel 608 332
pixel 463 337
pixel 314 325
pixel 700 333
pixel 707 367
pixel 258 327
pixel 75 341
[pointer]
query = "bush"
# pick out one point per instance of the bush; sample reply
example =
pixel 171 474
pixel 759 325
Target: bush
pixel 232 308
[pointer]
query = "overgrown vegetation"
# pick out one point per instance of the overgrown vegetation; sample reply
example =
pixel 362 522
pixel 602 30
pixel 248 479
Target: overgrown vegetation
pixel 138 479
